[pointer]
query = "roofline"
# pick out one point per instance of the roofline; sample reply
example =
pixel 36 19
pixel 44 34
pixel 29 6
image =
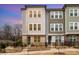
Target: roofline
pixel 36 5
pixel 56 9
pixel 39 5
pixel 71 5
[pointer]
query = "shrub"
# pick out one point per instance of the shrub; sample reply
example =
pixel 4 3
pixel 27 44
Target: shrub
pixel 77 46
pixel 3 45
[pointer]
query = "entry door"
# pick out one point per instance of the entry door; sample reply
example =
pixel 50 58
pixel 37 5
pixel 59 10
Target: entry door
pixel 29 40
pixel 49 40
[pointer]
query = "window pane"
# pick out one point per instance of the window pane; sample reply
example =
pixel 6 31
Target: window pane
pixel 52 16
pixel 61 27
pixel 38 38
pixel 34 26
pixel 56 16
pixel 51 27
pixel 60 16
pixel 39 14
pixel 71 26
pixel 34 13
pixel 30 26
pixel 75 12
pixel 30 14
pixel 71 14
pixel 76 26
pixel 35 38
pixel 39 26
pixel 56 27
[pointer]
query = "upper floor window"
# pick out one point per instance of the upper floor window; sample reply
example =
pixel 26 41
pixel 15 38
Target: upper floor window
pixel 73 25
pixel 34 27
pixel 30 27
pixel 30 13
pixel 73 12
pixel 35 14
pixel 39 14
pixel 56 14
pixel 56 27
pixel 39 27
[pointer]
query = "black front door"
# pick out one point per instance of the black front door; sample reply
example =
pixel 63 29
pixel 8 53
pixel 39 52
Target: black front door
pixel 29 40
pixel 49 40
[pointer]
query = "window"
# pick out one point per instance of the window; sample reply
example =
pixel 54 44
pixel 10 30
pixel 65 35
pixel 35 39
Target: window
pixel 34 13
pixel 51 27
pixel 72 38
pixel 73 12
pixel 56 14
pixel 76 25
pixel 56 27
pixel 61 27
pixel 30 13
pixel 58 39
pixel 30 27
pixel 34 27
pixel 39 27
pixel 60 15
pixel 36 38
pixel 39 14
pixel 73 25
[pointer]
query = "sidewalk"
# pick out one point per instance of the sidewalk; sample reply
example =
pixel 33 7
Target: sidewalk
pixel 69 51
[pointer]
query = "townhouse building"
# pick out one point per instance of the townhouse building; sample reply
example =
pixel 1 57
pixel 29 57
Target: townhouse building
pixel 55 26
pixel 72 23
pixel 33 32
pixel 42 25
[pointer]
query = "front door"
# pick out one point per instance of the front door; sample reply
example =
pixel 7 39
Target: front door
pixel 29 40
pixel 49 40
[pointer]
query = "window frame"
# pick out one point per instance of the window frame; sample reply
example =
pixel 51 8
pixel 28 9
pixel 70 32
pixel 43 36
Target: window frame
pixel 56 13
pixel 53 25
pixel 73 12
pixel 74 25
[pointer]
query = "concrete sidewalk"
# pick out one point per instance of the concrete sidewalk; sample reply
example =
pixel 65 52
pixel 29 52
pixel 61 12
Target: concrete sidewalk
pixel 44 52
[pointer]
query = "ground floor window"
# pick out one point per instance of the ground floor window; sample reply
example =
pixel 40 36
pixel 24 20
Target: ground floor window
pixel 36 38
pixel 58 39
pixel 72 39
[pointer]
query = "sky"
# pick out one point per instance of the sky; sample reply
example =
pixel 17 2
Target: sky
pixel 11 13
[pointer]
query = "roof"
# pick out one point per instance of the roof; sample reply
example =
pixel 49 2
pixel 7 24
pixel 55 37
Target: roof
pixel 42 5
pixel 55 9
pixel 33 5
pixel 71 5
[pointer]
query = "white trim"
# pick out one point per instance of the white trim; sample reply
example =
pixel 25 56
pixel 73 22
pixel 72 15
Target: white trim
pixel 73 25
pixel 56 34
pixel 73 12
pixel 54 26
pixel 58 14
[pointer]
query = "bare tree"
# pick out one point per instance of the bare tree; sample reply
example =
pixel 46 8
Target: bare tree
pixel 7 32
pixel 17 34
